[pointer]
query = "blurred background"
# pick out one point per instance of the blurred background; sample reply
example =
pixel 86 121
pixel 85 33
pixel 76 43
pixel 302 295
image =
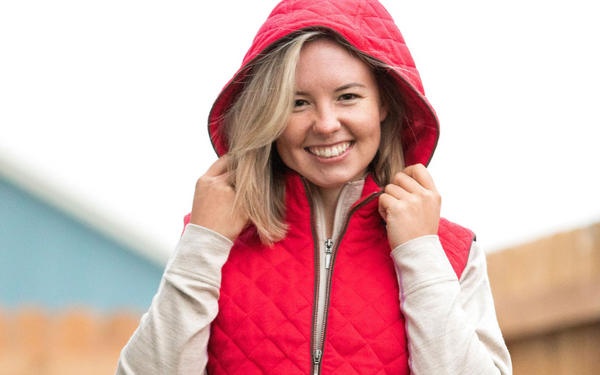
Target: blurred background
pixel 103 109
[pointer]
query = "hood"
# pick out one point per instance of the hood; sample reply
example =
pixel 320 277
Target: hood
pixel 368 26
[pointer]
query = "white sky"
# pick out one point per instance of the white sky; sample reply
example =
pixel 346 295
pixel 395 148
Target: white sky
pixel 108 100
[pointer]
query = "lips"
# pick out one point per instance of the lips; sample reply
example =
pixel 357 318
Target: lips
pixel 330 151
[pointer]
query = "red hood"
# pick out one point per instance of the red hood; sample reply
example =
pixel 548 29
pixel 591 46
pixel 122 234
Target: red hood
pixel 368 26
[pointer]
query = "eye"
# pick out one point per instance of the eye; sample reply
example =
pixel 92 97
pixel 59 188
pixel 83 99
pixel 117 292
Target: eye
pixel 348 96
pixel 300 102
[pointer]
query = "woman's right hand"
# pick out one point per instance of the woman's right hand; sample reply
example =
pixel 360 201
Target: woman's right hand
pixel 213 202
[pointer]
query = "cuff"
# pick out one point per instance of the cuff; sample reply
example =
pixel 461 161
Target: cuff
pixel 422 262
pixel 200 250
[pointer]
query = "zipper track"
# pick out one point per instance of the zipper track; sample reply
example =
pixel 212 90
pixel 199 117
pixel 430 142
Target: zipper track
pixel 313 227
pixel 314 350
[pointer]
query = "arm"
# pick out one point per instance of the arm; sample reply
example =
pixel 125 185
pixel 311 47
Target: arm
pixel 173 335
pixel 451 324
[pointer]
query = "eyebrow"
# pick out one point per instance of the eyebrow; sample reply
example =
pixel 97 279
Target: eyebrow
pixel 349 86
pixel 342 88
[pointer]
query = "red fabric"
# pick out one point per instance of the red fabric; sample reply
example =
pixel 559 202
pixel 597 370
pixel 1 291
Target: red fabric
pixel 266 305
pixel 369 27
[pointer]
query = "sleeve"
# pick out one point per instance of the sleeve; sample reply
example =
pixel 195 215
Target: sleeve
pixel 451 324
pixel 172 337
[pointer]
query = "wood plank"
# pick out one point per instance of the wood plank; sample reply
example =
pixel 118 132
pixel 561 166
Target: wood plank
pixel 572 351
pixel 559 308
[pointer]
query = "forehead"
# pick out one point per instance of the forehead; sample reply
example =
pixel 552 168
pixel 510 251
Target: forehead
pixel 325 61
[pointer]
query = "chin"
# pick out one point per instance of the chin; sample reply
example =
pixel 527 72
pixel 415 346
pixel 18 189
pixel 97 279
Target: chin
pixel 331 183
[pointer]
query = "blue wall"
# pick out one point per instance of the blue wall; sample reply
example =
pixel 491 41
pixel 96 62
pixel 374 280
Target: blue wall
pixel 50 259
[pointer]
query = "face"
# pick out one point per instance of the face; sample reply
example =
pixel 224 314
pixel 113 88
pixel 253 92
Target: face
pixel 334 131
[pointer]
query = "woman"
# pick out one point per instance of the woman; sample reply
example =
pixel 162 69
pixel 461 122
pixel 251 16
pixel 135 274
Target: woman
pixel 295 260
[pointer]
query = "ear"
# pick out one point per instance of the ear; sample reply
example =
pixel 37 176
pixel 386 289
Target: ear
pixel 383 111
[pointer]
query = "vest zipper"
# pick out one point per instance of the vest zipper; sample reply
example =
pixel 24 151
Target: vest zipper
pixel 330 253
pixel 317 360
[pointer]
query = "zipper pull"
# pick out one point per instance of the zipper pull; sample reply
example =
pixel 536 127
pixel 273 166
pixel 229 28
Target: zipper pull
pixel 328 251
pixel 317 359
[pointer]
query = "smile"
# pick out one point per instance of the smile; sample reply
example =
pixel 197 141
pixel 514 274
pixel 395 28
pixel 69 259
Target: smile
pixel 330 151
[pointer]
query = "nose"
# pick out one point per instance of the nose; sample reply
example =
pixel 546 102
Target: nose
pixel 326 121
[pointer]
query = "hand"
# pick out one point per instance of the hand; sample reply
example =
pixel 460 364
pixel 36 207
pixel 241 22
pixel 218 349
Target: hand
pixel 213 202
pixel 410 205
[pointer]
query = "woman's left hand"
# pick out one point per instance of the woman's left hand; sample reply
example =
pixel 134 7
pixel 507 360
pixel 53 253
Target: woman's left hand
pixel 410 205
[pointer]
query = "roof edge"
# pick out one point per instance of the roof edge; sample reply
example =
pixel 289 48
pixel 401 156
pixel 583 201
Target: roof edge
pixel 24 177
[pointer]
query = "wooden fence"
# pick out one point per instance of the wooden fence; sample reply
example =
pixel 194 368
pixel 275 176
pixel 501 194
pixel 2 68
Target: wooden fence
pixel 547 296
pixel 76 342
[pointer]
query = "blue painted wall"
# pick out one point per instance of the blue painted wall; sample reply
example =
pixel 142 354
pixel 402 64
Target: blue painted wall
pixel 49 259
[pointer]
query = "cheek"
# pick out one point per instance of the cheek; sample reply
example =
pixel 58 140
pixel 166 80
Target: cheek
pixel 291 139
pixel 373 139
pixel 376 139
pixel 285 148
pixel 371 129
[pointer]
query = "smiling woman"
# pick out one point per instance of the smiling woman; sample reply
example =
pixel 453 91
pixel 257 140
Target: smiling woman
pixel 311 248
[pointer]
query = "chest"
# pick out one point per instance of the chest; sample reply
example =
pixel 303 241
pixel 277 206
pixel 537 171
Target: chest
pixel 267 321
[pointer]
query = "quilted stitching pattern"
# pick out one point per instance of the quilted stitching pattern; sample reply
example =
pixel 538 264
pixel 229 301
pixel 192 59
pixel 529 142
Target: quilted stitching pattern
pixel 264 321
pixel 265 308
pixel 369 27
pixel 456 242
pixel 365 332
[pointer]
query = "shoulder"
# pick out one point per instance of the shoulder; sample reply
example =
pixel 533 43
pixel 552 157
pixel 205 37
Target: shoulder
pixel 456 241
pixel 454 232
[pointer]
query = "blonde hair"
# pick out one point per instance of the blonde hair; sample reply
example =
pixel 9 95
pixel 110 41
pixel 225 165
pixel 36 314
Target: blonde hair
pixel 260 114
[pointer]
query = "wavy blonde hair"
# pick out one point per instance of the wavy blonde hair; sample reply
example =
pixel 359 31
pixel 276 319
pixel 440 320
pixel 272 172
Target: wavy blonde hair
pixel 260 114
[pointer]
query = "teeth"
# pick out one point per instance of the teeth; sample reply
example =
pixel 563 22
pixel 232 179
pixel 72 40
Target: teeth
pixel 330 151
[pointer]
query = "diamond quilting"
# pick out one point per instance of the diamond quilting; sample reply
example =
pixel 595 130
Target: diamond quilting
pixel 292 303
pixel 385 340
pixel 231 357
pixel 248 336
pixel 269 325
pixel 267 294
pixel 287 367
pixel 287 337
pixel 230 312
pixel 269 318
pixel 368 324
pixel 361 361
pixel 248 367
pixel 344 339
pixel 346 369
pixel 267 349
pixel 356 302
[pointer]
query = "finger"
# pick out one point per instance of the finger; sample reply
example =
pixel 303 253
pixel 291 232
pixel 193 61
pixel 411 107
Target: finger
pixel 420 174
pixel 396 191
pixel 407 182
pixel 218 168
pixel 385 201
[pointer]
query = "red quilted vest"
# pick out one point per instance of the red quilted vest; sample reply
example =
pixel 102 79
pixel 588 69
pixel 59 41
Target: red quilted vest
pixel 268 296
